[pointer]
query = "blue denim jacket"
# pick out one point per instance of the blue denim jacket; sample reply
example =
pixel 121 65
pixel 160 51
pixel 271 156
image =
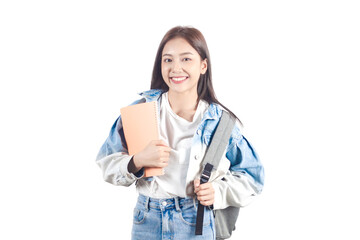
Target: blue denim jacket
pixel 240 175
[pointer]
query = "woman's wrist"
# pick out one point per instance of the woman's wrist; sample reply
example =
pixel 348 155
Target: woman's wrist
pixel 134 166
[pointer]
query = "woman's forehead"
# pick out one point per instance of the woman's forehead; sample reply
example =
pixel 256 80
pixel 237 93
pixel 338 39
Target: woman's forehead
pixel 178 46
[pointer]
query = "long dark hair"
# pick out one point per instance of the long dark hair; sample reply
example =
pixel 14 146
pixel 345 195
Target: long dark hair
pixel 195 38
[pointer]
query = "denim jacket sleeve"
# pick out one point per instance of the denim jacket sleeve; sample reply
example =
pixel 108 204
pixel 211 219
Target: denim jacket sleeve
pixel 245 178
pixel 113 158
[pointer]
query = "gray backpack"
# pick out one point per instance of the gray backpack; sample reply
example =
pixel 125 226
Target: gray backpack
pixel 225 219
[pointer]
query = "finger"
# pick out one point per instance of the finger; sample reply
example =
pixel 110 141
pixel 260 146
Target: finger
pixel 165 154
pixel 207 203
pixel 201 192
pixel 196 185
pixel 164 160
pixel 165 164
pixel 206 198
pixel 163 149
pixel 196 182
pixel 205 186
pixel 206 192
pixel 166 149
pixel 160 143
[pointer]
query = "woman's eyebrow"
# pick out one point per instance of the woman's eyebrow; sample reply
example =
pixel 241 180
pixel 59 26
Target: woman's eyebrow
pixel 181 54
pixel 186 53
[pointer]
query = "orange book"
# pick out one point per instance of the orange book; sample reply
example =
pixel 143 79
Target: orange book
pixel 140 123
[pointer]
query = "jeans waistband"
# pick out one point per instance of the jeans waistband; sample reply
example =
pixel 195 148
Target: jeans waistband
pixel 165 203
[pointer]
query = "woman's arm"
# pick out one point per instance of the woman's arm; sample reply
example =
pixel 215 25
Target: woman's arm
pixel 115 169
pixel 233 190
pixel 121 169
pixel 245 178
pixel 113 158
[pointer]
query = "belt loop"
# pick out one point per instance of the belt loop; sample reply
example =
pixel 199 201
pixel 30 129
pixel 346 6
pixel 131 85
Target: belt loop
pixel 147 203
pixel 177 206
pixel 194 202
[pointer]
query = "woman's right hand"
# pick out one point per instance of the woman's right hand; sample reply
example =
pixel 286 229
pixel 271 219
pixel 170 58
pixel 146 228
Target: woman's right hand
pixel 155 154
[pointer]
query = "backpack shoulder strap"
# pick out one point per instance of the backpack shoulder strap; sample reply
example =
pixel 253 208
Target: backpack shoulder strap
pixel 212 158
pixel 219 141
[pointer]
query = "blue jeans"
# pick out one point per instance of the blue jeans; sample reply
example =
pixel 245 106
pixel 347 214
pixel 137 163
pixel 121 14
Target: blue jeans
pixel 172 218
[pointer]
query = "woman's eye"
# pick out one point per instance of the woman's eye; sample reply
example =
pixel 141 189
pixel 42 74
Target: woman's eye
pixel 187 59
pixel 167 60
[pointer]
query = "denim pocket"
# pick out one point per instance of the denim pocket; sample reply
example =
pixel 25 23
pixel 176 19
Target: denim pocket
pixel 188 216
pixel 139 216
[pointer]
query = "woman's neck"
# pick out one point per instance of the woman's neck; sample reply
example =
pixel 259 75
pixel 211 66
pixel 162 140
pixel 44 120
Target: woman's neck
pixel 183 104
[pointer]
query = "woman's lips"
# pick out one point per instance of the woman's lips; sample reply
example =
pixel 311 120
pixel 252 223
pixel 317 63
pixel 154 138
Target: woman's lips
pixel 178 80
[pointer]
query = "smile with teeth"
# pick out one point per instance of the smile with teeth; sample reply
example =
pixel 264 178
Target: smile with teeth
pixel 178 79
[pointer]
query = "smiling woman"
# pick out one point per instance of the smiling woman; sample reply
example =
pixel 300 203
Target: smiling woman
pixel 181 67
pixel 188 49
pixel 188 113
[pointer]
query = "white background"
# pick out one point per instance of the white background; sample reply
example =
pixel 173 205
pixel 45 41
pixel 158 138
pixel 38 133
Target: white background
pixel 288 69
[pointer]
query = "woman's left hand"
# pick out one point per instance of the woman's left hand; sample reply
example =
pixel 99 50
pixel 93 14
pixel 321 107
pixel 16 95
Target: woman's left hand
pixel 205 192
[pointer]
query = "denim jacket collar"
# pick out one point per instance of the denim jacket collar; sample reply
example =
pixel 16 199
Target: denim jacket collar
pixel 152 95
pixel 214 111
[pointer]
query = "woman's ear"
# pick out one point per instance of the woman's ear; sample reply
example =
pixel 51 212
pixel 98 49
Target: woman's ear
pixel 203 66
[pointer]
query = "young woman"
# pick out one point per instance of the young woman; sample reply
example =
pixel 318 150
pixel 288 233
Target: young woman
pixel 189 113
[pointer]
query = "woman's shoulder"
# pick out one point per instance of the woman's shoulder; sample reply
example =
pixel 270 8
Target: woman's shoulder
pixel 216 111
pixel 146 96
pixel 152 94
pixel 214 114
pixel 238 127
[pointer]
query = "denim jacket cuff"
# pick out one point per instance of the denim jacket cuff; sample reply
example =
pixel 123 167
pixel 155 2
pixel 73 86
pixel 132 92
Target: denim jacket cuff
pixel 139 174
pixel 125 172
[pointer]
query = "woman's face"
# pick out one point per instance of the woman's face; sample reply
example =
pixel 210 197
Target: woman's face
pixel 181 66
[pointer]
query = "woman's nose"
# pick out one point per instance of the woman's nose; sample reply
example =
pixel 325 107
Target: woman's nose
pixel 177 66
